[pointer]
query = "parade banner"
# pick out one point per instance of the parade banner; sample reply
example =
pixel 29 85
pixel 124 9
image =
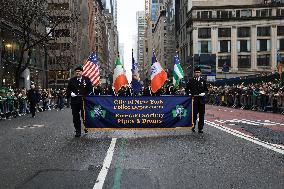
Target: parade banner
pixel 142 112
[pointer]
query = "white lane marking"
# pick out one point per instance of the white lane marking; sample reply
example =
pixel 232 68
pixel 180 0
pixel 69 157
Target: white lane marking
pixel 252 122
pixel 220 121
pixel 103 173
pixel 274 147
pixel 38 125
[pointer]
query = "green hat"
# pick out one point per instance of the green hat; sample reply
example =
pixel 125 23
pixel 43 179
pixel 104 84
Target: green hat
pixel 79 67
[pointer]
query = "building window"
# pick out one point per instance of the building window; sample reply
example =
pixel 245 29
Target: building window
pixel 204 33
pixel 263 31
pixel 224 14
pixel 244 46
pixel 224 60
pixel 224 32
pixel 263 13
pixel 204 14
pixel 243 13
pixel 263 45
pixel 280 30
pixel 263 60
pixel 244 32
pixel 62 33
pixel 244 61
pixel 224 46
pixel 204 47
pixel 58 6
pixel 280 12
pixel 280 44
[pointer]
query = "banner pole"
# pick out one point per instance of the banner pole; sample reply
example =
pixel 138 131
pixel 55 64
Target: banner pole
pixel 192 121
pixel 84 114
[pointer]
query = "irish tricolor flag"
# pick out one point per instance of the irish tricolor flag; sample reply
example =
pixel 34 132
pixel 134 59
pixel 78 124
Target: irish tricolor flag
pixel 119 77
pixel 158 75
pixel 178 73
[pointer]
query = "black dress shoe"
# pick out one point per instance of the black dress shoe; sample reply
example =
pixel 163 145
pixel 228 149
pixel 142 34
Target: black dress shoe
pixel 200 131
pixel 86 130
pixel 193 130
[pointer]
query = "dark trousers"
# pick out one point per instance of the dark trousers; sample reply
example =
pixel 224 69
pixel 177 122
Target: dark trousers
pixel 32 108
pixel 198 107
pixel 76 109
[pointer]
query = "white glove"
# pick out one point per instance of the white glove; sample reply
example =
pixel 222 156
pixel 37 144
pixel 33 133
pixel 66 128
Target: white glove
pixel 73 94
pixel 202 94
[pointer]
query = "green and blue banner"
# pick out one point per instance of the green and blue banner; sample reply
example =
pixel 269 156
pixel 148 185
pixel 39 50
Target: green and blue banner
pixel 141 112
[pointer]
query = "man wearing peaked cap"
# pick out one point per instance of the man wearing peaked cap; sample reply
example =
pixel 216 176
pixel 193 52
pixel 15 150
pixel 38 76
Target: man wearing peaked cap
pixel 197 87
pixel 78 87
pixel 79 68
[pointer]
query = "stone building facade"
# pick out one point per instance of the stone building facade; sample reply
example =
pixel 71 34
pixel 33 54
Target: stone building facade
pixel 245 35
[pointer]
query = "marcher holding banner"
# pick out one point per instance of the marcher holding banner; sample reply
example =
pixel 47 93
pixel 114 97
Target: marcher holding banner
pixel 197 87
pixel 78 87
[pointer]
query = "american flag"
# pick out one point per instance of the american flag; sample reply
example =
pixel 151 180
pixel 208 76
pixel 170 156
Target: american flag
pixel 91 69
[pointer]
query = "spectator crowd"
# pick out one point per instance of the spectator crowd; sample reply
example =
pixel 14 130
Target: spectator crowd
pixel 14 102
pixel 262 96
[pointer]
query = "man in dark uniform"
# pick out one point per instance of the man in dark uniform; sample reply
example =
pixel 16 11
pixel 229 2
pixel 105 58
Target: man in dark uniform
pixel 197 87
pixel 78 87
pixel 33 98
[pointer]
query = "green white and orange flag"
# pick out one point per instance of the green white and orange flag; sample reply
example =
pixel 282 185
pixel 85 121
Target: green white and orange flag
pixel 119 77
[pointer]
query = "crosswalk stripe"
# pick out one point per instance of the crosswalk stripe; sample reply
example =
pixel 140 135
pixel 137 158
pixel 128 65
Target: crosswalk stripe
pixel 274 147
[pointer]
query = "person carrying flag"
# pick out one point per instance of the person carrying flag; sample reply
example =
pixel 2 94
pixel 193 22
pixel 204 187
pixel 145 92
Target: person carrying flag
pixel 79 87
pixel 120 81
pixel 158 77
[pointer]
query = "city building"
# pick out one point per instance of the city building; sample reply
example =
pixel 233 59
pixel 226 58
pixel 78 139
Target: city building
pixel 160 36
pixel 152 11
pixel 244 35
pixel 121 53
pixel 171 40
pixel 111 6
pixel 159 39
pixel 141 26
pixel 63 49
pixel 112 40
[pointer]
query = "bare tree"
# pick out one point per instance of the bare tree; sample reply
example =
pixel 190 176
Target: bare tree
pixel 30 18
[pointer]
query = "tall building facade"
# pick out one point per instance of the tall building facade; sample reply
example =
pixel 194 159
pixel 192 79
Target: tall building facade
pixel 141 25
pixel 245 35
pixel 152 11
pixel 160 35
pixel 112 41
pixel 63 48
pixel 111 6
pixel 121 54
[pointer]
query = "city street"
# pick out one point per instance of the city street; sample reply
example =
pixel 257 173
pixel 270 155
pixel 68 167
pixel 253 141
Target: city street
pixel 42 152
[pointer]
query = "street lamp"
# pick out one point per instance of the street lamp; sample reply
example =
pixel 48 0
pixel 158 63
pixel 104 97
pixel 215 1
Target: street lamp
pixel 8 45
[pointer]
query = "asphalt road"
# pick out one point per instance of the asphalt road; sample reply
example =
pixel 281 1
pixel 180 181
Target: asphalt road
pixel 43 153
